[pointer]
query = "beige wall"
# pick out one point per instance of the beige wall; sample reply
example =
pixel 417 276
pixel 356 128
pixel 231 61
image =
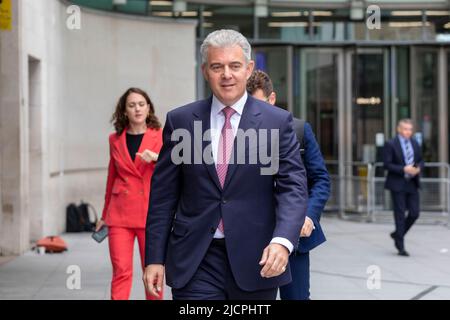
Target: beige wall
pixel 11 192
pixel 54 146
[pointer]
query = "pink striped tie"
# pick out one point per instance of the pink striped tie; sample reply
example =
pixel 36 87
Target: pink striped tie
pixel 225 146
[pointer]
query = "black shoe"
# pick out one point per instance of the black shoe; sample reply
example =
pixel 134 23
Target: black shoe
pixel 403 253
pixel 397 243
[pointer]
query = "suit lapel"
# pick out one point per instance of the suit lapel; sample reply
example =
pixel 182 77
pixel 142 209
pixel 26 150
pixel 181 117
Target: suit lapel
pixel 249 120
pixel 203 114
pixel 398 149
pixel 148 142
pixel 123 151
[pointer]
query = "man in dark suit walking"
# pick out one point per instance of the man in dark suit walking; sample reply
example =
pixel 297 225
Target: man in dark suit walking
pixel 403 161
pixel 222 221
pixel 311 235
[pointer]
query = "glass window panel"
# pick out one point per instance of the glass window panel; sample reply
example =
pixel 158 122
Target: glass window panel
pixel 274 62
pixel 317 89
pixel 403 83
pixel 426 96
pixel 368 104
pixel 287 24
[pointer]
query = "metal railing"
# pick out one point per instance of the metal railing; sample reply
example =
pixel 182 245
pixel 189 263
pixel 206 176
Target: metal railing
pixel 357 192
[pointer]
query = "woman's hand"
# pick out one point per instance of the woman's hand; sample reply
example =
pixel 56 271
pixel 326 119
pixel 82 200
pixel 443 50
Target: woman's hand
pixel 148 156
pixel 100 224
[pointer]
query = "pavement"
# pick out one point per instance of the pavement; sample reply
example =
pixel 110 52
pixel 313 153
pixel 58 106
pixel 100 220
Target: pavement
pixel 358 261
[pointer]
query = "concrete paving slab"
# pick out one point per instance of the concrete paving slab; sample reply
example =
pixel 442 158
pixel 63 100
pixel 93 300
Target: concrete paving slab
pixel 340 268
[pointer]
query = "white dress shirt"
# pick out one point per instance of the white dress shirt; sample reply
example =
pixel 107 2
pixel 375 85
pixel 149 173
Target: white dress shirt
pixel 217 122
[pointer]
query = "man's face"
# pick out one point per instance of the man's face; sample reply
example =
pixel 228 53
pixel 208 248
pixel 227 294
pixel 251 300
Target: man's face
pixel 405 130
pixel 227 73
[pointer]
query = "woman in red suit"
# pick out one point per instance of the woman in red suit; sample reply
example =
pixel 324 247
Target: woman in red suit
pixel 134 149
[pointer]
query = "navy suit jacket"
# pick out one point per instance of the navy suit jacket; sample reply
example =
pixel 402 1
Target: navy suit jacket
pixel 187 201
pixel 318 187
pixel 394 162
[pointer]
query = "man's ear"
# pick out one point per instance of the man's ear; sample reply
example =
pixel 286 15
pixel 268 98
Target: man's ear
pixel 205 74
pixel 272 98
pixel 250 67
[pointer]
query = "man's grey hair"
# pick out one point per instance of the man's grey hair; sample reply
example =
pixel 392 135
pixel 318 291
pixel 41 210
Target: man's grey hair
pixel 406 121
pixel 225 38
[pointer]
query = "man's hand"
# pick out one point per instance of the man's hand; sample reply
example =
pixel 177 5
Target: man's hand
pixel 411 170
pixel 275 257
pixel 154 279
pixel 307 228
pixel 147 155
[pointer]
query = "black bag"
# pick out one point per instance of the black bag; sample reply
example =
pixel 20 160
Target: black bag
pixel 83 208
pixel 73 223
pixel 78 218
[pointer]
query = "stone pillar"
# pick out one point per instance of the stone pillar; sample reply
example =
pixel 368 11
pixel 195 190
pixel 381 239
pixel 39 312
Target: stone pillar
pixel 14 218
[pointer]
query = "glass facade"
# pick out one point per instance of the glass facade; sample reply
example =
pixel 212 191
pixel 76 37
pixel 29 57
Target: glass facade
pixel 426 98
pixel 274 60
pixel 369 101
pixel 387 56
pixel 317 96
pixel 351 72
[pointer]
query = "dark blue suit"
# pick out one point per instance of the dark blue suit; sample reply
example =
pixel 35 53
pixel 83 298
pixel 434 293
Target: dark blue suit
pixel 405 195
pixel 319 192
pixel 187 202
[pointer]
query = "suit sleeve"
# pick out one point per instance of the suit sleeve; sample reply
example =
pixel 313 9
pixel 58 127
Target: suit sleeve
pixel 164 197
pixel 388 159
pixel 318 177
pixel 112 173
pixel 291 192
pixel 158 142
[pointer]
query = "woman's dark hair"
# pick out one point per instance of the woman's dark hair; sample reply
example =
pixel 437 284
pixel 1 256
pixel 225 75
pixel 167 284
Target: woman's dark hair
pixel 120 121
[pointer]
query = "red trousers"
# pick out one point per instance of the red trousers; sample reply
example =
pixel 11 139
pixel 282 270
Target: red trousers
pixel 121 248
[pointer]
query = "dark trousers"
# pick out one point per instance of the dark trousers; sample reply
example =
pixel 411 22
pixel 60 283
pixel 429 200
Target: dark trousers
pixel 402 202
pixel 298 289
pixel 214 280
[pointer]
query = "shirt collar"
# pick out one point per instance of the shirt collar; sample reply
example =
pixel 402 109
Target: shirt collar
pixel 217 106
pixel 403 139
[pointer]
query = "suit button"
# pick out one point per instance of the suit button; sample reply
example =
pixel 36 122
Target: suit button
pixel 126 179
pixel 126 192
pixel 224 201
pixel 213 230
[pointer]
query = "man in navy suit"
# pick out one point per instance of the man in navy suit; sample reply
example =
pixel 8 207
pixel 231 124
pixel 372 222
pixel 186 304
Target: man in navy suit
pixel 311 234
pixel 221 225
pixel 403 161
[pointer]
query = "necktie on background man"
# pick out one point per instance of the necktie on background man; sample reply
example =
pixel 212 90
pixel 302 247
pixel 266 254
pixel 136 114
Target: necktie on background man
pixel 225 146
pixel 409 156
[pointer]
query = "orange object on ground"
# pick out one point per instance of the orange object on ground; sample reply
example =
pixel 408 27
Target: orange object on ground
pixel 52 244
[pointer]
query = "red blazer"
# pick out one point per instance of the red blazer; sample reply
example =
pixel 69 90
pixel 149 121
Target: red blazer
pixel 128 184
